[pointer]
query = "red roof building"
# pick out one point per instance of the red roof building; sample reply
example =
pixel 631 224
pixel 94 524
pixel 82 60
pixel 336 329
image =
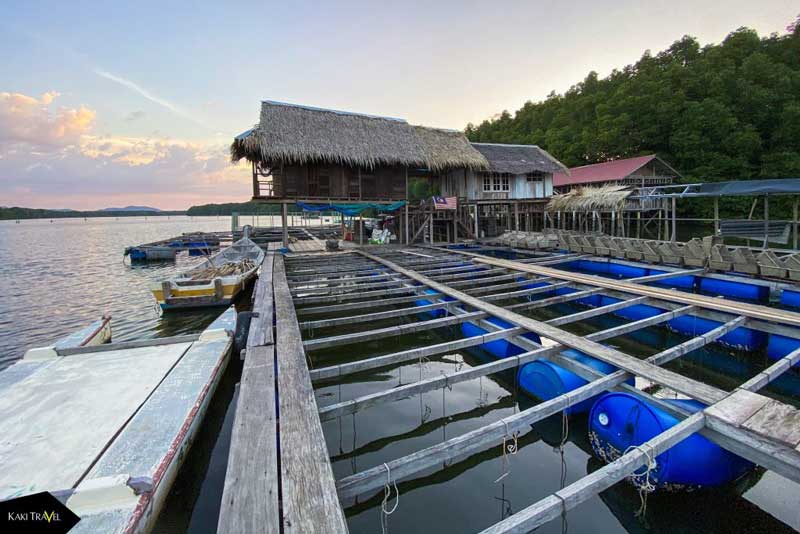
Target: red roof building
pixel 643 171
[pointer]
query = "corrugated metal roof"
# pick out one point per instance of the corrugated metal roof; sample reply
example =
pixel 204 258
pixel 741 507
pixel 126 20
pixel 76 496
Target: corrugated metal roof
pixel 602 172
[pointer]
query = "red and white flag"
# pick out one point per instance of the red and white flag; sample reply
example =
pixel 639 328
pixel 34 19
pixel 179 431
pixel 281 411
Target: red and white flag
pixel 445 203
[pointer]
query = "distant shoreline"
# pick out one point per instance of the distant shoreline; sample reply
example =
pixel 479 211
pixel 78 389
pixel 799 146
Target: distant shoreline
pixel 9 214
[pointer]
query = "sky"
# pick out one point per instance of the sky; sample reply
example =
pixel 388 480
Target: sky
pixel 119 103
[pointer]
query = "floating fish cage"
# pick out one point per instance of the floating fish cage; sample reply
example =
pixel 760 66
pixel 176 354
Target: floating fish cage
pixel 428 366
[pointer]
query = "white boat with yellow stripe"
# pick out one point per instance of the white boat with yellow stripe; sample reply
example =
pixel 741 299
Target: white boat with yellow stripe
pixel 214 282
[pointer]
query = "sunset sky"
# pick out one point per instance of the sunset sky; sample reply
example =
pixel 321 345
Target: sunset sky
pixel 119 103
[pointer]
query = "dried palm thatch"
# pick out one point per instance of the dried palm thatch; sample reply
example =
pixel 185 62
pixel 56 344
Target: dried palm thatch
pixel 448 149
pixel 601 198
pixel 301 135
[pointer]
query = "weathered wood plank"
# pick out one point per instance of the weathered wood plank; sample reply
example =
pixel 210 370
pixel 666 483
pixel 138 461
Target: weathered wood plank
pixel 587 487
pixel 411 354
pixel 703 301
pixel 310 502
pixel 250 495
pixel 389 331
pixel 777 421
pixel 261 325
pixel 693 388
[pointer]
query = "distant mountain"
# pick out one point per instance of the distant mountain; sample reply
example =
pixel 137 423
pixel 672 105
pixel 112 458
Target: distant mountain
pixel 132 208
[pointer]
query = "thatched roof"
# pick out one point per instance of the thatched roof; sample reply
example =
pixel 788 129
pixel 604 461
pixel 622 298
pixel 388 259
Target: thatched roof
pixel 602 198
pixel 290 133
pixel 519 159
pixel 448 149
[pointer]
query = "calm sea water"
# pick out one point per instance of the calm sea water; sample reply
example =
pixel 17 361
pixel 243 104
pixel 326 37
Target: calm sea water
pixel 56 277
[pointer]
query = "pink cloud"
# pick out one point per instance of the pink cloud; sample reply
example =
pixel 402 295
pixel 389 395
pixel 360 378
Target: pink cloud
pixel 52 158
pixel 28 120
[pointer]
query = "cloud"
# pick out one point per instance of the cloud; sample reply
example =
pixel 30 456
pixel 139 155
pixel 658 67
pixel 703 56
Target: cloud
pixel 133 86
pixel 29 120
pixel 54 158
pixel 135 115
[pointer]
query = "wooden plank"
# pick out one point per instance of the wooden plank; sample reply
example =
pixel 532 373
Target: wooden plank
pixel 250 495
pixel 389 331
pixel 480 438
pixel 754 311
pixel 381 303
pixel 310 502
pixel 692 388
pixel 777 421
pixel 261 326
pixel 411 354
pixel 587 487
pixel 737 407
pixel 600 310
pixel 772 372
pixel 698 341
pixel 375 316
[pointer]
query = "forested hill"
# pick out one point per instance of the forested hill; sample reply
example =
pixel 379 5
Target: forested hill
pixel 720 112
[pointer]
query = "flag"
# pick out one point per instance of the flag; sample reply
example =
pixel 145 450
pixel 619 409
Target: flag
pixel 445 203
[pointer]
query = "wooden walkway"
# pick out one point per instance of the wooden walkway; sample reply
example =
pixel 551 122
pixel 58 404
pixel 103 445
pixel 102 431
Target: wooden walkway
pixel 371 284
pixel 265 494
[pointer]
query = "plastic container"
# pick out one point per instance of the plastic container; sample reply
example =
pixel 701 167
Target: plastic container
pixel 619 420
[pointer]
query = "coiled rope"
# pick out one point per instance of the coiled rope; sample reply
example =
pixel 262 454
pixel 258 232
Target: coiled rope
pixel 508 449
pixel 387 493
pixel 646 487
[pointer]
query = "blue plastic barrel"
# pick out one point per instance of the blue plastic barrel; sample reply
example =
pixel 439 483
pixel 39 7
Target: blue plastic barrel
pixel 433 314
pixel 545 380
pixel 499 348
pixel 619 420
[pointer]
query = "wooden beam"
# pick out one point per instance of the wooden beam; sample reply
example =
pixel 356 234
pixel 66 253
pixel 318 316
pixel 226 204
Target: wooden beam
pixel 386 360
pixel 250 495
pixel 675 381
pixel 309 499
pixel 390 331
pixel 754 311
pixel 587 487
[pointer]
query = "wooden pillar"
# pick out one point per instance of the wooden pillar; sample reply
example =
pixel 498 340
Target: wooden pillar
pixel 455 225
pixel 408 235
pixel 516 216
pixel 613 222
pixel 794 223
pixel 360 229
pixel 284 213
pixel 477 226
pixel 716 215
pixel 674 234
pixel 430 219
pixel 766 222
pixel 639 224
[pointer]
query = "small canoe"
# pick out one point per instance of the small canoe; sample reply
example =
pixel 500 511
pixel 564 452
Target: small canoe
pixel 213 282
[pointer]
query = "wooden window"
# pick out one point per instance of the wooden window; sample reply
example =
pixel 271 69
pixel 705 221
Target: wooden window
pixel 496 183
pixel 487 184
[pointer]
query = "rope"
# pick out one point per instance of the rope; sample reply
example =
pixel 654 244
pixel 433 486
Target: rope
pixel 646 487
pixel 387 493
pixel 508 448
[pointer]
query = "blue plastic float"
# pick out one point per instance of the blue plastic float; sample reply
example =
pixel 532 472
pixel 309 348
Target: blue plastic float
pixel 545 380
pixel 619 420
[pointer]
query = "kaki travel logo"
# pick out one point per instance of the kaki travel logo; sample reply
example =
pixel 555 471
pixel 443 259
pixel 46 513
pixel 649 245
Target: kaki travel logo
pixel 40 512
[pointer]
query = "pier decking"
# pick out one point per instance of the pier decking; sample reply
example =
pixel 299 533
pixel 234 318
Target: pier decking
pixel 279 468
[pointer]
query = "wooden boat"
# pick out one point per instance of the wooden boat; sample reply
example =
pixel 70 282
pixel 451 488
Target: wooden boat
pixel 105 428
pixel 215 281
